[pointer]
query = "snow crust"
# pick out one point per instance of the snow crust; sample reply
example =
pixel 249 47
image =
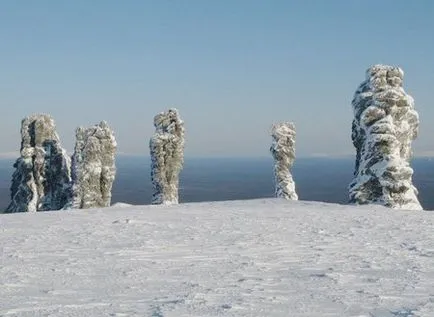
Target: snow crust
pixel 385 123
pixel 269 257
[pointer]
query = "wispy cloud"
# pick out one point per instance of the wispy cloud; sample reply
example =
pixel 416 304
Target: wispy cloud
pixel 334 155
pixel 9 155
pixel 424 154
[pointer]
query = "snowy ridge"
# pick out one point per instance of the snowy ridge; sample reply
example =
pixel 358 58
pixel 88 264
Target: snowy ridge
pixel 267 257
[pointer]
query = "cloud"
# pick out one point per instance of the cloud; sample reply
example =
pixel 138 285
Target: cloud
pixel 333 155
pixel 423 154
pixel 9 155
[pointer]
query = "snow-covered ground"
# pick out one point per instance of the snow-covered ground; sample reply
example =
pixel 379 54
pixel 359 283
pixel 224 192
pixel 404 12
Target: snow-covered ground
pixel 243 258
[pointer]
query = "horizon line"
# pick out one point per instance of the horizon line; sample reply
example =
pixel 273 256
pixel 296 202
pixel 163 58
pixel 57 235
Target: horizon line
pixel 425 154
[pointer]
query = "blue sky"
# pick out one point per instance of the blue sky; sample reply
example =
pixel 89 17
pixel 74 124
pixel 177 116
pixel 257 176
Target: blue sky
pixel 232 68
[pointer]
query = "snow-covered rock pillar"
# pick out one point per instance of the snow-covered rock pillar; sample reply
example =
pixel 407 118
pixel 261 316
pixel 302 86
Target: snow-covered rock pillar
pixel 42 172
pixel 93 167
pixel 283 151
pixel 385 123
pixel 167 157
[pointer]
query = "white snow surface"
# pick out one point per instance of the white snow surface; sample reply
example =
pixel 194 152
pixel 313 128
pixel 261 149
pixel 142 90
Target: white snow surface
pixel 266 257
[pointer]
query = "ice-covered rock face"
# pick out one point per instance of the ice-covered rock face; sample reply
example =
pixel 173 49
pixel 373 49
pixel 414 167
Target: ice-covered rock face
pixel 283 151
pixel 167 156
pixel 385 123
pixel 42 172
pixel 93 167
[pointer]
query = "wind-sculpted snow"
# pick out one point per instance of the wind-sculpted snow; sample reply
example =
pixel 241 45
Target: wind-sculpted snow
pixel 93 167
pixel 243 258
pixel 42 172
pixel 283 151
pixel 167 156
pixel 385 123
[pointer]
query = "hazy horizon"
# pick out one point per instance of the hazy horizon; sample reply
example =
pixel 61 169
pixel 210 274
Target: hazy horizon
pixel 265 155
pixel 322 179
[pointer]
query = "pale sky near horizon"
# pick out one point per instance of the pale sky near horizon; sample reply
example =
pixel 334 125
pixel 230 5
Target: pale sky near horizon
pixel 231 67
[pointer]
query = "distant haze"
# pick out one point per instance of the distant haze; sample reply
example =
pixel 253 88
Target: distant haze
pixel 232 68
pixel 214 179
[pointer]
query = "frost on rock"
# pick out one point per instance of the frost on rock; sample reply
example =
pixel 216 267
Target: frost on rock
pixel 42 172
pixel 385 123
pixel 167 156
pixel 93 167
pixel 283 151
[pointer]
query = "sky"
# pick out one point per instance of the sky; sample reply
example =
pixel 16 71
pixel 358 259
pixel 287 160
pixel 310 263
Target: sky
pixel 231 67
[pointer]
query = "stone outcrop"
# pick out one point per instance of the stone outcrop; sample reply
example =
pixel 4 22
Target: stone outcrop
pixel 283 151
pixel 385 123
pixel 167 156
pixel 42 172
pixel 93 167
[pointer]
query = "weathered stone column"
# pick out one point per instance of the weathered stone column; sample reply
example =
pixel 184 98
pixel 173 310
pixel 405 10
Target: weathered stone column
pixel 167 156
pixel 42 172
pixel 283 151
pixel 93 167
pixel 385 123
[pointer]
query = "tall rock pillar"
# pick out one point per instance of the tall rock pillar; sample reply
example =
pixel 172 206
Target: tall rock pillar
pixel 283 151
pixel 42 172
pixel 167 156
pixel 385 123
pixel 93 167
